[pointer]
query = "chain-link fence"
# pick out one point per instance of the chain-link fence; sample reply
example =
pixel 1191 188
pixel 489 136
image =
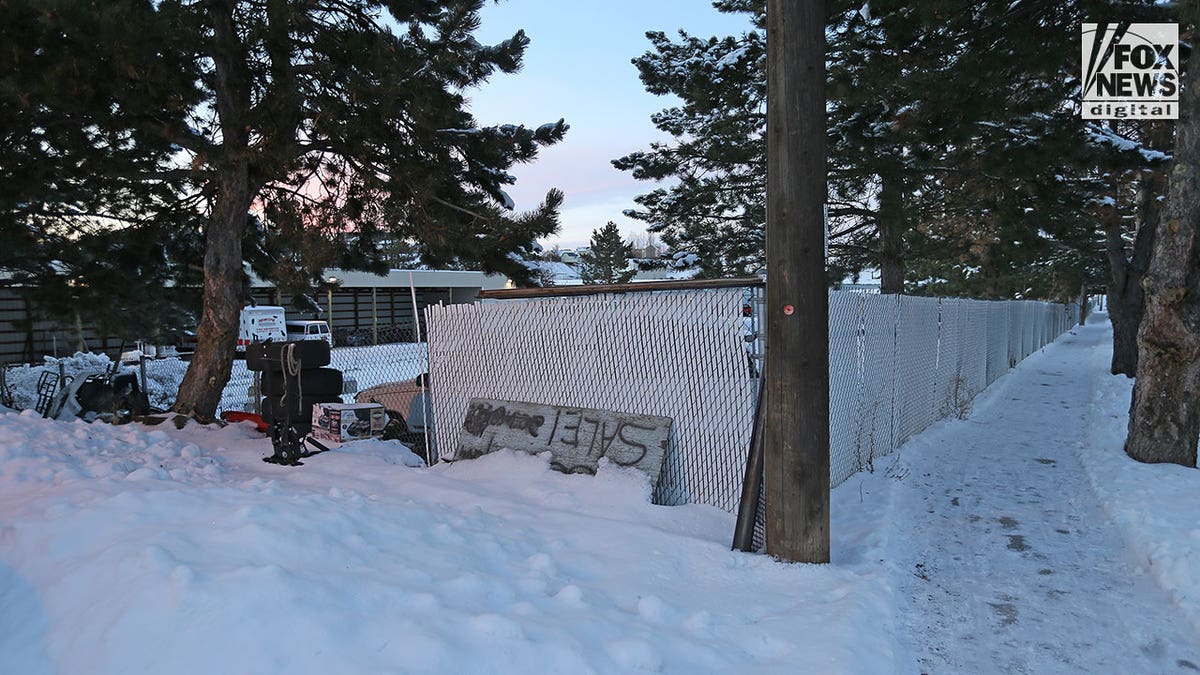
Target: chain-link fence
pixel 367 370
pixel 687 355
pixel 897 364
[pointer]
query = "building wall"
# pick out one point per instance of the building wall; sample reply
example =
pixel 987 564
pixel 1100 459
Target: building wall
pixel 386 316
pixel 24 339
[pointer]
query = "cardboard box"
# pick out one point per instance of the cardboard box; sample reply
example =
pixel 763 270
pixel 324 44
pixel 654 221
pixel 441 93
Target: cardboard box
pixel 341 422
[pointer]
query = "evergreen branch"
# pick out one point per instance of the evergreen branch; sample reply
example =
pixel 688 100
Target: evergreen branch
pixel 851 230
pixel 447 204
pixel 63 212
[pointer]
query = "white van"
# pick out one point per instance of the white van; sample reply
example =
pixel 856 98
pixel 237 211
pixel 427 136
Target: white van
pixel 259 324
pixel 309 330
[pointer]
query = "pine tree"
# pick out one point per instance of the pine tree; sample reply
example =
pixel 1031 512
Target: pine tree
pixel 94 222
pixel 941 119
pixel 329 117
pixel 608 259
pixel 716 209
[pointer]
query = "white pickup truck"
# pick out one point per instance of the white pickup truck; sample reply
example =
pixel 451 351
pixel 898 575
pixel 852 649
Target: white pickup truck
pixel 309 330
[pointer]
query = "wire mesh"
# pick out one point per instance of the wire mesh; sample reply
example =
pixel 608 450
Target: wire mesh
pixel 916 367
pixel 997 343
pixel 363 368
pixel 684 355
pixel 846 358
pixel 896 365
pixel 875 410
pixel 975 362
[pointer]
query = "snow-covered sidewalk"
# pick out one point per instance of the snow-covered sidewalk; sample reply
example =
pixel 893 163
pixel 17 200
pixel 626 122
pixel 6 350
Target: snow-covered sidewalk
pixel 1004 557
pixel 1018 540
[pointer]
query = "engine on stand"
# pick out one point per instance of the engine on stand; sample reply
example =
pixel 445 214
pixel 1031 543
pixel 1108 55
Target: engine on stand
pixel 294 379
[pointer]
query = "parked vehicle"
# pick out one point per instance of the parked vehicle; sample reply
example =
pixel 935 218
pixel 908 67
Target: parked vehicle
pixel 309 330
pixel 149 350
pixel 407 427
pixel 259 324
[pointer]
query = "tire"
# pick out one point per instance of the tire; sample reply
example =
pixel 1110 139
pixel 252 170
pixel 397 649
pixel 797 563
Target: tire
pixel 301 410
pixel 315 382
pixel 262 356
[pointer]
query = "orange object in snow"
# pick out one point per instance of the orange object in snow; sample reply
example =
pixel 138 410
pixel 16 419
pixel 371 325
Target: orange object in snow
pixel 238 416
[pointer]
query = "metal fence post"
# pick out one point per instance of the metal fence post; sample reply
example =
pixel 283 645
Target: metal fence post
pixel 257 392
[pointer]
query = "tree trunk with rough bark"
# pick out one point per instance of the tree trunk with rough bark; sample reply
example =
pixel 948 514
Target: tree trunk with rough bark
pixel 891 245
pixel 796 400
pixel 1126 299
pixel 234 189
pixel 216 336
pixel 1085 307
pixel 1164 415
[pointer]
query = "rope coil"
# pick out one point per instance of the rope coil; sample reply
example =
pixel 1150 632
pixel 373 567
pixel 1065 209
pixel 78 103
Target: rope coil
pixel 290 365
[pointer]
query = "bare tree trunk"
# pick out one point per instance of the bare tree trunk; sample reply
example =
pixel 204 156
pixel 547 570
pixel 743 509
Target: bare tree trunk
pixel 891 245
pixel 234 190
pixel 1126 299
pixel 1164 415
pixel 216 336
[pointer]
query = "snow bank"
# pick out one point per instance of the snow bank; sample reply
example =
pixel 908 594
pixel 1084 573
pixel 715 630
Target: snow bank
pixel 22 380
pixel 132 549
pixel 98 452
pixel 364 366
pixel 1154 504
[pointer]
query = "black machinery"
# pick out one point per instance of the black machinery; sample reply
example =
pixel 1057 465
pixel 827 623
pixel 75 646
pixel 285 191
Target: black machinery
pixel 94 394
pixel 294 379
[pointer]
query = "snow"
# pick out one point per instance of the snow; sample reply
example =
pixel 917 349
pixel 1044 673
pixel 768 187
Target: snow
pixel 1155 505
pixel 1100 135
pixel 682 259
pixel 1020 539
pixel 559 273
pixel 731 59
pixel 365 367
pixel 1008 561
pixel 132 549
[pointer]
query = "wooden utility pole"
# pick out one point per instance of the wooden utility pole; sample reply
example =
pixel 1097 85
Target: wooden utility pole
pixel 796 423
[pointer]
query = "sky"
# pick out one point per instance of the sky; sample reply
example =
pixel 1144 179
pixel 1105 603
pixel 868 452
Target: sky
pixel 577 67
